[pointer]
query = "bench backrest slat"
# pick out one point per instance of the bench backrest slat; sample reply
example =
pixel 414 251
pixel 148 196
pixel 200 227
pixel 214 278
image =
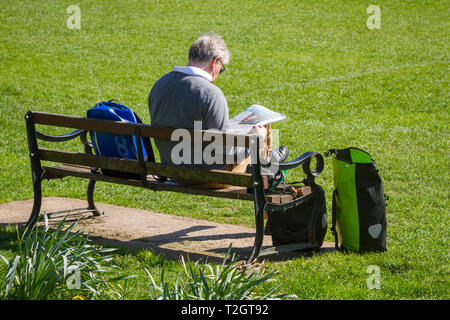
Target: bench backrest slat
pixel 132 166
pixel 146 130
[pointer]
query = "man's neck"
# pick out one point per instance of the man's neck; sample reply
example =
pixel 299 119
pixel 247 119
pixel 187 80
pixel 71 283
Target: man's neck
pixel 200 66
pixel 193 71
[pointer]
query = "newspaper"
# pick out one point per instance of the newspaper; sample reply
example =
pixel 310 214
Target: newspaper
pixel 255 115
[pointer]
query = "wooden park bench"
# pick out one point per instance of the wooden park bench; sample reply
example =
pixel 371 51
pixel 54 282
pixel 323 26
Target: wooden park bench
pixel 86 165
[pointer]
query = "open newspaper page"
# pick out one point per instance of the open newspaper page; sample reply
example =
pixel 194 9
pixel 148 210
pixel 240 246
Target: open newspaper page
pixel 255 115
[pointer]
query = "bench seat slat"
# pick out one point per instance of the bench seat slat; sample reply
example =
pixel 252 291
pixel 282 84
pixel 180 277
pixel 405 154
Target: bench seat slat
pixel 132 166
pixel 60 171
pixel 233 192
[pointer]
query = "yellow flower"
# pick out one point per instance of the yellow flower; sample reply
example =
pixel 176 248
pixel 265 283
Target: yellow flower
pixel 78 298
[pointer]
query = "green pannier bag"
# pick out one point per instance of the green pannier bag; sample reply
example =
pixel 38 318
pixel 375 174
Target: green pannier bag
pixel 359 205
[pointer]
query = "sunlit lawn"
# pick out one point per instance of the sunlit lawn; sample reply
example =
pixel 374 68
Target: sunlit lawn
pixel 339 84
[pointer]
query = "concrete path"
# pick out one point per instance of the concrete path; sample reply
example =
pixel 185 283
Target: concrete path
pixel 163 233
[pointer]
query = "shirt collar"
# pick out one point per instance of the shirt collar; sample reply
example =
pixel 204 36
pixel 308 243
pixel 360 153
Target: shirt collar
pixel 193 71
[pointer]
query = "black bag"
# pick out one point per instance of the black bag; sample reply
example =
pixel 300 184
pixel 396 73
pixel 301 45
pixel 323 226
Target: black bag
pixel 304 220
pixel 303 223
pixel 359 205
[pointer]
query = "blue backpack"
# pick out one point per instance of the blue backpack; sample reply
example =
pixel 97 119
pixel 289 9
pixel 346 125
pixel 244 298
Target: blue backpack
pixel 117 145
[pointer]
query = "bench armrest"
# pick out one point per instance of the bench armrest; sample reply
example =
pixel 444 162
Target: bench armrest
pixel 304 160
pixel 68 136
pixel 61 138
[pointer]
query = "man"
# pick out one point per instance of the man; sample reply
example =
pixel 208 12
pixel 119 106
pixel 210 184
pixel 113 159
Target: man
pixel 187 94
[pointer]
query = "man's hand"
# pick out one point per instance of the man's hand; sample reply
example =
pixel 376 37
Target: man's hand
pixel 261 131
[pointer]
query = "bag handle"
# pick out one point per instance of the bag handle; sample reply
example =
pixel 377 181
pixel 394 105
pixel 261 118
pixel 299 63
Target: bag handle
pixel 112 104
pixel 330 152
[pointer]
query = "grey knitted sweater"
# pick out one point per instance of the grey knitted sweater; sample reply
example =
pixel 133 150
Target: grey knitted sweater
pixel 177 100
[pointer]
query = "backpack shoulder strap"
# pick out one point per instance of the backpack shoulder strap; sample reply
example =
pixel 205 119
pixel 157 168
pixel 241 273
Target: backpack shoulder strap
pixel 147 143
pixel 149 149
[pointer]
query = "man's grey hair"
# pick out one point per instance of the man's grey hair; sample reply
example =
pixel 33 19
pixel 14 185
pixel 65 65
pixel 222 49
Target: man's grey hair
pixel 207 47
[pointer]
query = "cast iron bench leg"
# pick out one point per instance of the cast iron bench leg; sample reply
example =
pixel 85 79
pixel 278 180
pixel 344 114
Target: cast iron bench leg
pixel 37 202
pixel 90 198
pixel 259 200
pixel 259 235
pixel 36 170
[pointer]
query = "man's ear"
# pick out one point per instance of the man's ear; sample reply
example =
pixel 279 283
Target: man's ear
pixel 213 62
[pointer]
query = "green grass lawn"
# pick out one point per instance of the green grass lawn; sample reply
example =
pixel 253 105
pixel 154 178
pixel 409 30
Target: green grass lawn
pixel 339 84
